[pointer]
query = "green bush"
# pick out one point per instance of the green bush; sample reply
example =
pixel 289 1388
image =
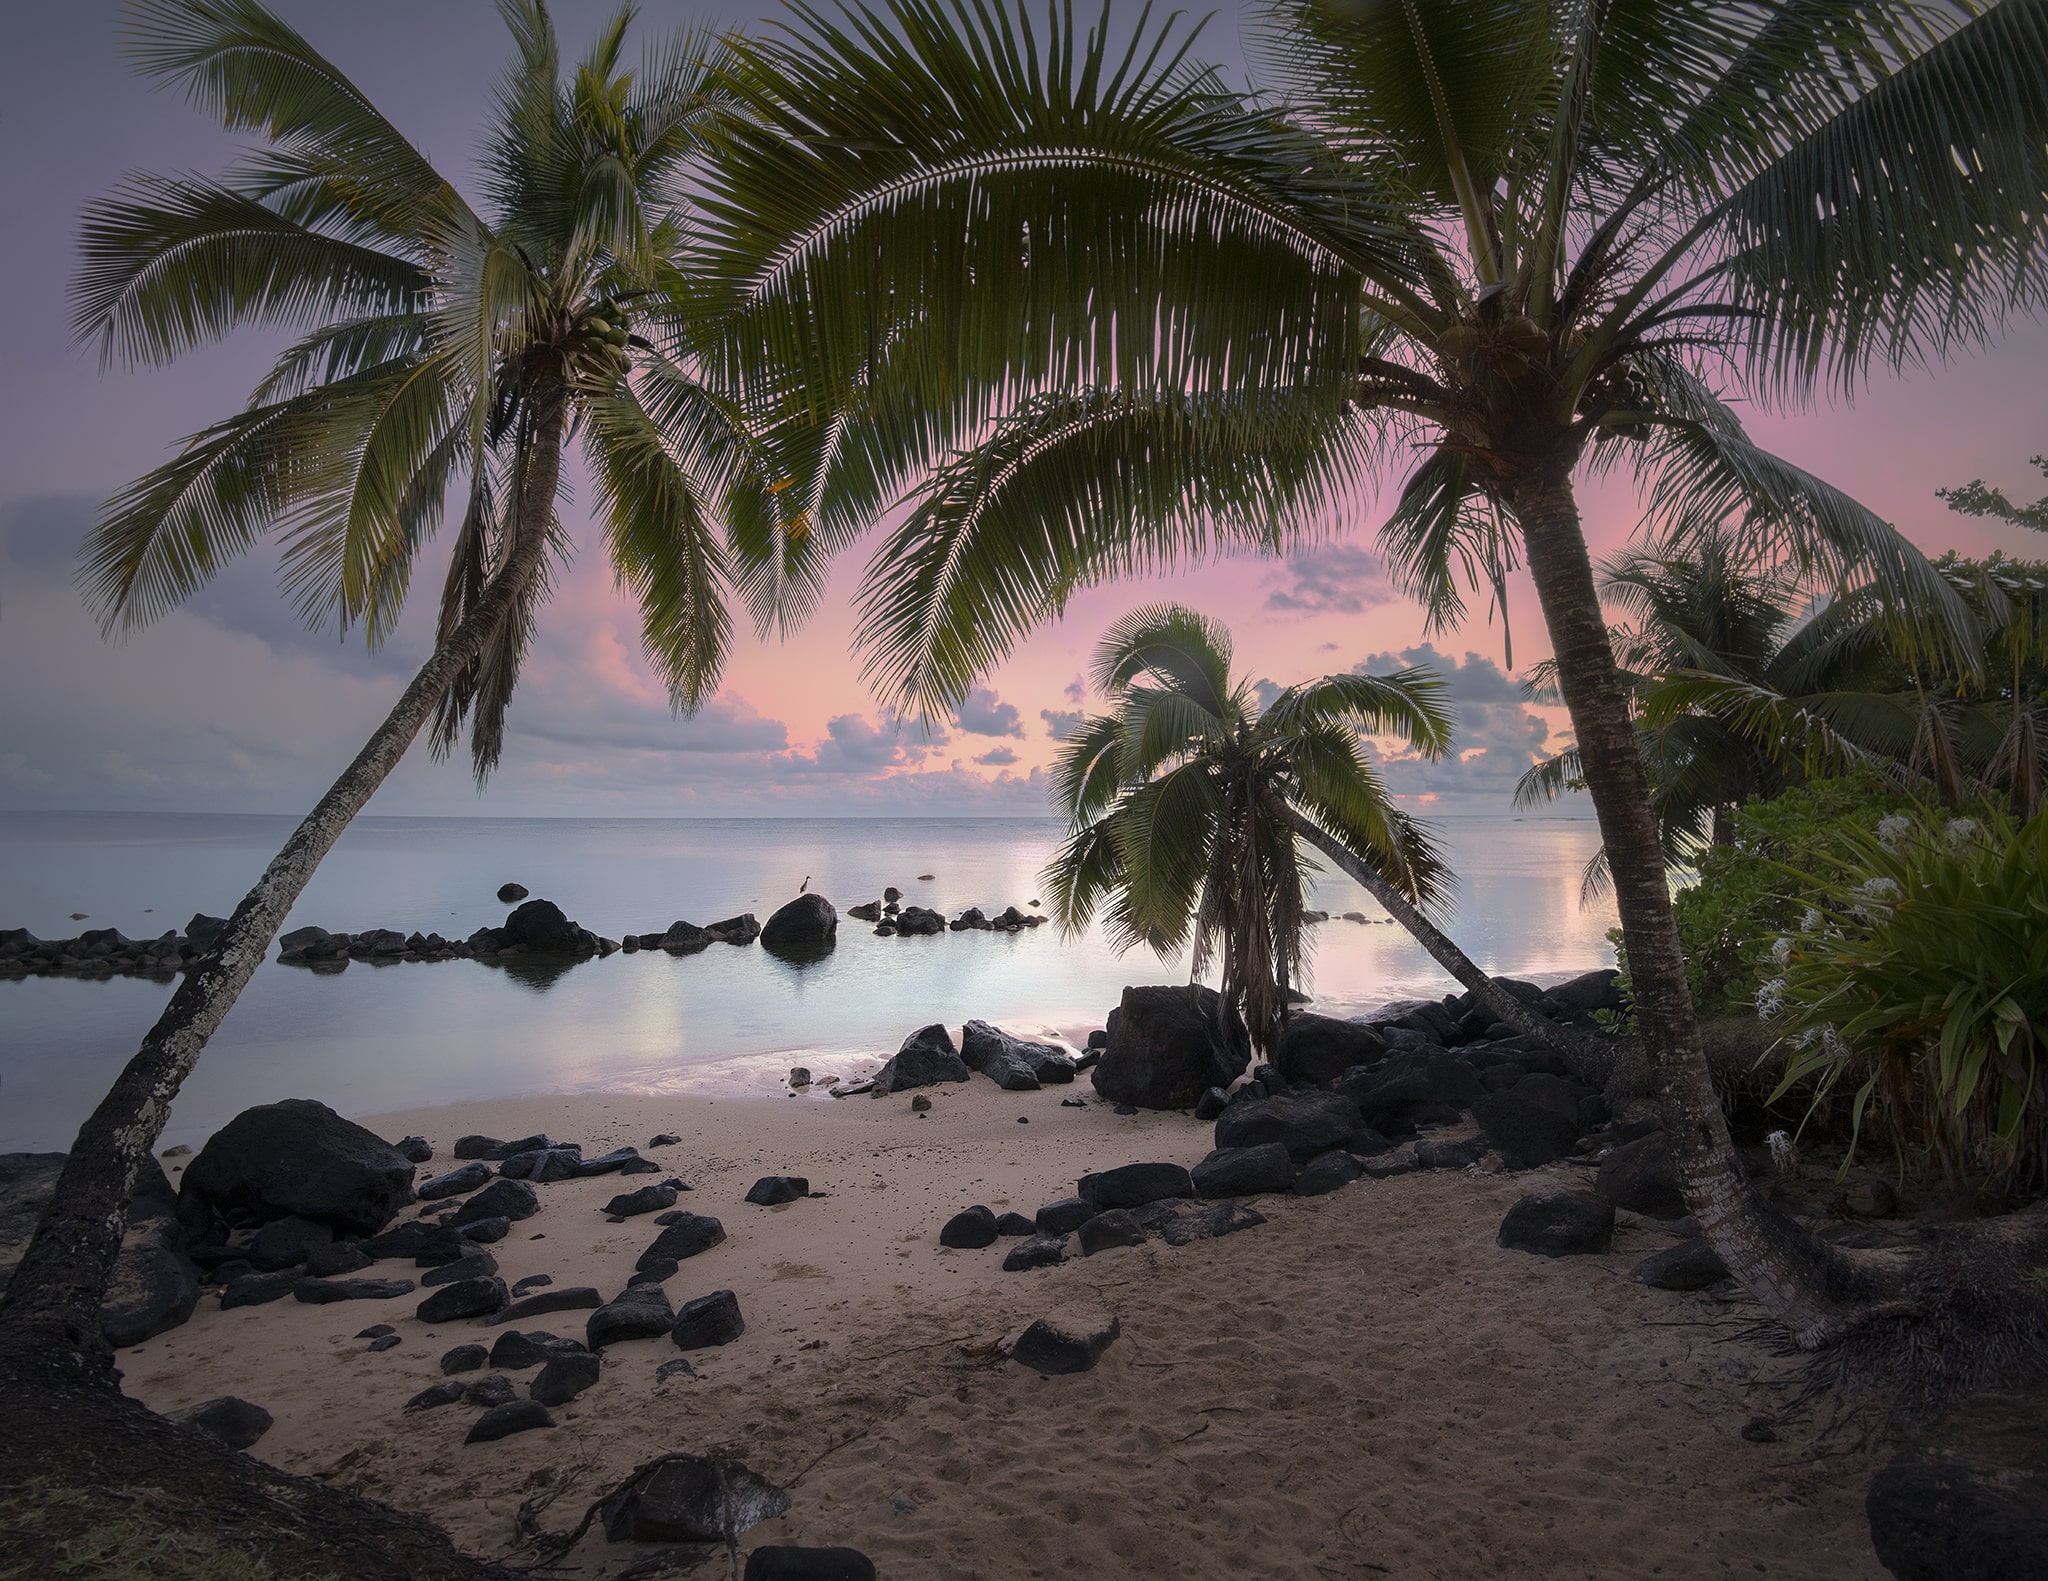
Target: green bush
pixel 1728 916
pixel 1915 978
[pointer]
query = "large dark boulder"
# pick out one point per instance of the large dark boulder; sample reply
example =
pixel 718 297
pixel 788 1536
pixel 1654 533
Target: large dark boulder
pixel 1305 1123
pixel 970 1229
pixel 539 926
pixel 687 1237
pixel 638 1312
pixel 1584 995
pixel 683 1499
pixel 1559 1224
pixel 806 923
pixel 1056 1345
pixel 1415 1088
pixel 709 1320
pixel 926 1059
pixel 1166 1048
pixel 782 1562
pixel 742 929
pixel 1134 1185
pixel 234 1421
pixel 1528 1135
pixel 1640 1175
pixel 1318 1049
pixel 1013 1063
pixel 1245 1171
pixel 298 1157
pixel 501 1199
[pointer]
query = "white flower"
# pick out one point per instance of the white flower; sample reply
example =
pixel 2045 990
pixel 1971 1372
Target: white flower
pixel 1770 998
pixel 1809 922
pixel 1879 887
pixel 1893 832
pixel 1959 832
pixel 1781 950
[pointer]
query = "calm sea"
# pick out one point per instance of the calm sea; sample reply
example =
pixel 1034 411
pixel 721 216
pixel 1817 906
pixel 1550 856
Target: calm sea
pixel 374 1039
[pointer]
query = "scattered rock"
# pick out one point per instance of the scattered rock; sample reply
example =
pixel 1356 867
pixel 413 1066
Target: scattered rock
pixel 416 1148
pixel 678 1368
pixel 1641 1175
pixel 1690 1265
pixel 388 1342
pixel 606 1163
pixel 640 1166
pixel 467 1177
pixel 1244 1171
pixel 1326 1173
pixel 782 1562
pixel 1014 1224
pixel 323 1292
pixel 532 1282
pixel 466 1298
pixel 436 1395
pixel 485 1231
pixel 538 926
pixel 1040 1251
pixel 1132 1185
pixel 665 1139
pixel 493 1390
pixel 1387 1165
pixel 687 1237
pixel 501 1199
pixel 1559 1224
pixel 510 893
pixel 773 1190
pixel 569 1298
pixel 1528 1134
pixel 514 1416
pixel 563 1378
pixel 1114 1227
pixel 234 1421
pixel 1061 1218
pixel 648 1199
pixel 259 1289
pixel 1164 1048
pixel 1436 1153
pixel 970 1229
pixel 478 1264
pixel 709 1320
pixel 299 1157
pixel 683 1498
pixel 463 1358
pixel 1051 1345
pixel 1203 1224
pixel 515 1351
pixel 740 930
pixel 336 1257
pixel 1211 1103
pixel 1972 1503
pixel 799 1076
pixel 1318 1049
pixel 1304 1123
pixel 637 1312
pixel 926 1058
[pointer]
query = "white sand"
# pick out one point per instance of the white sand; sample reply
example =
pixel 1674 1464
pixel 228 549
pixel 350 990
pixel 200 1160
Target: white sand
pixel 1365 1386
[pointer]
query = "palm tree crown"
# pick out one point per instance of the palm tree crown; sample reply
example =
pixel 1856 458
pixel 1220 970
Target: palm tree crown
pixel 442 347
pixel 1178 800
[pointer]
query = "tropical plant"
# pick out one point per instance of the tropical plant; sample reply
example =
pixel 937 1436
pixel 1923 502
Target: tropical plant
pixel 1917 977
pixel 1178 803
pixel 1096 312
pixel 441 347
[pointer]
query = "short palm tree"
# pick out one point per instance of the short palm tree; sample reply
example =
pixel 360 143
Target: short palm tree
pixel 1188 804
pixel 1098 312
pixel 441 348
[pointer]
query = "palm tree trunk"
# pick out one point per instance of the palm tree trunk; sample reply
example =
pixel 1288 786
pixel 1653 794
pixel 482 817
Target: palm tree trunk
pixel 1442 948
pixel 50 1310
pixel 1774 1259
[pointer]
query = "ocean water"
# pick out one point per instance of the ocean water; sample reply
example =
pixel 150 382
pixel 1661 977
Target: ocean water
pixel 376 1038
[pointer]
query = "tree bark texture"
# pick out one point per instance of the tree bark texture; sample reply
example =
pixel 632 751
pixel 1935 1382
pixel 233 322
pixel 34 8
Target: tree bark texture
pixel 1775 1260
pixel 1443 949
pixel 50 1309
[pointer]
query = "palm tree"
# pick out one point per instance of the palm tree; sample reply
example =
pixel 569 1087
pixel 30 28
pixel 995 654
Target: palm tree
pixel 1096 313
pixel 1188 804
pixel 440 346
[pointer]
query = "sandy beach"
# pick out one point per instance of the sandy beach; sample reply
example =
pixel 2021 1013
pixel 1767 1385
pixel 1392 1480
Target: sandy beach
pixel 1364 1386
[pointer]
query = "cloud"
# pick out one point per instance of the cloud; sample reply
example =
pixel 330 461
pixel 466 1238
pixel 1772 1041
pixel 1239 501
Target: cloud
pixel 998 758
pixel 1337 579
pixel 727 724
pixel 854 745
pixel 1061 724
pixel 984 714
pixel 1265 691
pixel 1077 689
pixel 1498 734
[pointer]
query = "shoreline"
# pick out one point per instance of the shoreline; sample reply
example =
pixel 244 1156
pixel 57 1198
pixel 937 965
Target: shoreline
pixel 1364 1384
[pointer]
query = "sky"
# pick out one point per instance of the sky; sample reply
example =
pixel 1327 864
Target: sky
pixel 229 704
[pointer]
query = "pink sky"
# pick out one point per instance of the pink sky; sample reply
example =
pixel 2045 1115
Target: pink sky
pixel 227 706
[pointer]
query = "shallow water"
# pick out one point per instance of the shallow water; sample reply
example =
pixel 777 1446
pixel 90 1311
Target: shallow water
pixel 374 1039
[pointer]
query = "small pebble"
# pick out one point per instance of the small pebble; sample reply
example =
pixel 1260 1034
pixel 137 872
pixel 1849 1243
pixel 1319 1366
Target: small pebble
pixel 1023 1119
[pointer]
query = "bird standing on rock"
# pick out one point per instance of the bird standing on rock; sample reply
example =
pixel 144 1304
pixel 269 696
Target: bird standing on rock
pixel 805 887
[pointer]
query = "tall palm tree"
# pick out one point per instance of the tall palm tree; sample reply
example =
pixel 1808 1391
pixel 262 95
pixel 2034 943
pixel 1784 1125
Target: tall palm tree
pixel 440 347
pixel 1097 312
pixel 1184 802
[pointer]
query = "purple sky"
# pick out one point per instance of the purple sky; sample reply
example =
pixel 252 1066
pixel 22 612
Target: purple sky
pixel 230 705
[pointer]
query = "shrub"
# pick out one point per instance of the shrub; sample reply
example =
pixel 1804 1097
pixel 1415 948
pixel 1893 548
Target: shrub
pixel 1915 977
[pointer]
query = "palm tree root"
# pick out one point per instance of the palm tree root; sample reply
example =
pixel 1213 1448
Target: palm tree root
pixel 89 1477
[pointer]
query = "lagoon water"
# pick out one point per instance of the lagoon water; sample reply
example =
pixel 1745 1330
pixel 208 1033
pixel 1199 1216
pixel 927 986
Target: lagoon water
pixel 372 1039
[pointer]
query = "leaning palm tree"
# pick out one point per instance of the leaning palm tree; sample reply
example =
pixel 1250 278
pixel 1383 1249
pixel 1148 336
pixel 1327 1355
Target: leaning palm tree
pixel 1188 805
pixel 442 348
pixel 1097 312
